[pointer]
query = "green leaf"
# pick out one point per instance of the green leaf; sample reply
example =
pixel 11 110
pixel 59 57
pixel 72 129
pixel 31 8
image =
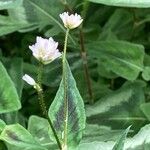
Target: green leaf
pixel 145 107
pixel 40 130
pixel 123 58
pixel 128 93
pixel 120 142
pixel 95 132
pixel 18 136
pixel 7 25
pixel 141 141
pixel 8 94
pixel 15 70
pixel 7 4
pixel 122 29
pixel 96 146
pixel 45 13
pixel 2 125
pixel 124 3
pixel 146 73
pixel 76 113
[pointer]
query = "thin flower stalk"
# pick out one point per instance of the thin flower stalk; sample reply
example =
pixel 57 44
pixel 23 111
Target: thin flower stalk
pixel 64 76
pixel 43 105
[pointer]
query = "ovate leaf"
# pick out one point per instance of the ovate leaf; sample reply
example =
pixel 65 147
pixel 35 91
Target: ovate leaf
pixel 8 94
pixel 76 114
pixel 124 3
pixel 123 58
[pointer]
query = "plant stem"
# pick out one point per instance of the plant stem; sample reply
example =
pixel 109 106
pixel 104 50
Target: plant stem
pixel 84 54
pixel 64 76
pixel 85 66
pixel 43 105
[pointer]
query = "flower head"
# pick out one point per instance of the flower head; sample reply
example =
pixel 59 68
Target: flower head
pixel 71 21
pixel 29 80
pixel 45 50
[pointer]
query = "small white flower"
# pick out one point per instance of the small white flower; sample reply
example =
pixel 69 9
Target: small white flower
pixel 71 21
pixel 45 50
pixel 29 80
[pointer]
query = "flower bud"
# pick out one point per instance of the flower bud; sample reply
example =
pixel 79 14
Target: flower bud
pixel 29 80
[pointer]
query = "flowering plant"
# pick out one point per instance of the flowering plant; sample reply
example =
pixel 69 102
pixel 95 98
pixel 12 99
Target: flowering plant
pixel 53 54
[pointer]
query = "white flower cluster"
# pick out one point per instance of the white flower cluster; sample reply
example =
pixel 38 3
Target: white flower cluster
pixel 45 50
pixel 71 21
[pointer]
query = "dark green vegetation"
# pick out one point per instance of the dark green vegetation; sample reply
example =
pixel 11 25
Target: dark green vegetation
pixel 113 79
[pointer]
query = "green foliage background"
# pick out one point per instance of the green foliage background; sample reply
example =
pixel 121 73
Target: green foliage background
pixel 117 42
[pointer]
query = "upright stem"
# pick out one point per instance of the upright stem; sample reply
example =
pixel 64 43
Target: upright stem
pixel 43 105
pixel 84 54
pixel 64 76
pixel 85 66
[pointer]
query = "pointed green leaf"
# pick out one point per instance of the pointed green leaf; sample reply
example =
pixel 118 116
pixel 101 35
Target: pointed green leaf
pixel 76 113
pixel 120 142
pixel 124 3
pixel 18 136
pixel 123 58
pixel 8 94
pixel 140 141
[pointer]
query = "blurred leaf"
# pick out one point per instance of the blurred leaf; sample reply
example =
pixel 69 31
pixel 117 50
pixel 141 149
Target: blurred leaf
pixel 120 142
pixel 7 25
pixel 41 14
pixel 124 3
pixel 145 107
pixel 7 4
pixel 141 141
pixel 123 58
pixel 146 73
pixel 96 146
pixel 8 94
pixel 95 132
pixel 40 130
pixel 122 29
pixel 2 125
pixel 18 136
pixel 15 70
pixel 76 114
pixel 126 94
